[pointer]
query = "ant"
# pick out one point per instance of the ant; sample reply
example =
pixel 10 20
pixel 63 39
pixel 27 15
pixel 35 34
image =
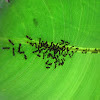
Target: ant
pixel 28 37
pixel 38 55
pixel 13 52
pixel 25 57
pixel 47 67
pixel 19 49
pixel 6 48
pixel 11 42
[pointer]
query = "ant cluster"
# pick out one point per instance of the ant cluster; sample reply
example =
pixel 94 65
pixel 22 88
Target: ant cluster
pixel 53 51
pixel 57 52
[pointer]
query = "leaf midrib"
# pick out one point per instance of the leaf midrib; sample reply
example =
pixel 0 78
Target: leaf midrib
pixel 25 40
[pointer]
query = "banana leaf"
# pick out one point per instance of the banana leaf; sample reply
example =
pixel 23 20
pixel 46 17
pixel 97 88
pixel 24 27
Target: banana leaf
pixel 75 21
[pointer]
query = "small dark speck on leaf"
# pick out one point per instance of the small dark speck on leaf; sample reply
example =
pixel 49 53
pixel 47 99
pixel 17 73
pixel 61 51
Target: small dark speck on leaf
pixel 35 22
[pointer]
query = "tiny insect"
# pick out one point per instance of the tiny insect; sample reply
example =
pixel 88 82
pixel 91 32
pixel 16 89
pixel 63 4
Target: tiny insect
pixel 67 49
pixel 95 51
pixel 62 42
pixel 70 56
pixel 25 57
pixel 49 55
pixel 39 40
pixel 13 52
pixel 65 54
pixel 38 55
pixel 10 41
pixel 84 51
pixel 32 44
pixel 55 66
pixel 77 48
pixel 67 43
pixel 19 49
pixel 44 55
pixel 35 51
pixel 50 64
pixel 5 47
pixel 50 46
pixel 47 62
pixel 47 67
pixel 72 53
pixel 62 62
pixel 28 37
pixel 46 51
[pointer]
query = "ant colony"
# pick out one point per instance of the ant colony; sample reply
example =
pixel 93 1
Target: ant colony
pixel 53 53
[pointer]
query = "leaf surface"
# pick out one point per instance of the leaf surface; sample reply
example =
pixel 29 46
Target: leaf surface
pixel 75 21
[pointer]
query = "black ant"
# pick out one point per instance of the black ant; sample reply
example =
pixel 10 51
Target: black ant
pixel 62 62
pixel 11 42
pixel 47 67
pixel 19 49
pixel 6 48
pixel 38 55
pixel 25 57
pixel 70 56
pixel 55 65
pixel 32 44
pixel 46 61
pixel 84 51
pixel 13 52
pixel 95 51
pixel 50 64
pixel 28 37
pixel 43 55
pixel 35 51
pixel 62 42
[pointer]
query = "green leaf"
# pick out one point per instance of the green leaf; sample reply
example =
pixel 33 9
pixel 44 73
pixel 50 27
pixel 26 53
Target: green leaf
pixel 75 21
